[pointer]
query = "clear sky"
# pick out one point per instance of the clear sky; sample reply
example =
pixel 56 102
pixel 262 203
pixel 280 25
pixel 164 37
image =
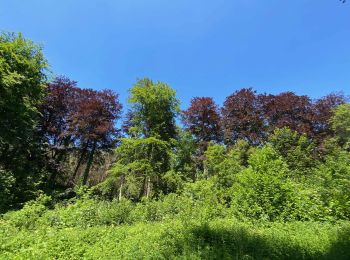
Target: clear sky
pixel 199 47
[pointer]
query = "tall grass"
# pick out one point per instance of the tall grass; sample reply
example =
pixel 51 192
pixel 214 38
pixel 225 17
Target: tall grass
pixel 166 229
pixel 218 239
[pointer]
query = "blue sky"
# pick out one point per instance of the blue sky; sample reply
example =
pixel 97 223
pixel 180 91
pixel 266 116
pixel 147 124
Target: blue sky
pixel 199 47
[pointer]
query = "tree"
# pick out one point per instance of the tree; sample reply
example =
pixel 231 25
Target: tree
pixel 241 152
pixel 334 183
pixel 262 191
pixel 289 110
pixel 323 110
pixel 225 164
pixel 56 110
pixel 22 66
pixel 22 78
pixel 183 156
pixel 139 167
pixel 242 117
pixel 296 150
pixel 128 126
pixel 341 125
pixel 154 107
pixel 144 158
pixel 82 120
pixel 214 156
pixel 93 123
pixel 202 119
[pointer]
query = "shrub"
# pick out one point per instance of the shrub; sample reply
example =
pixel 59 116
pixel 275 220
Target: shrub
pixel 30 214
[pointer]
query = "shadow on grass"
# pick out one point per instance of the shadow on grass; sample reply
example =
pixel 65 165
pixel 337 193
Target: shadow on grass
pixel 341 248
pixel 221 243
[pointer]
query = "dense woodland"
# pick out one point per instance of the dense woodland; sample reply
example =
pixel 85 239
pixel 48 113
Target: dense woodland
pixel 262 176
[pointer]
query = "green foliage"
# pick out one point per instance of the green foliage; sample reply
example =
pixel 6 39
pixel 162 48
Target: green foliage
pixel 265 190
pixel 334 185
pixel 234 162
pixel 193 225
pixel 140 164
pixel 154 150
pixel 226 163
pixel 217 239
pixel 214 156
pixel 21 87
pixel 241 152
pixel 22 67
pixel 7 180
pixel 30 214
pixel 297 151
pixel 262 190
pixel 341 124
pixel 154 108
pixel 166 194
pixel 183 157
pixel 174 181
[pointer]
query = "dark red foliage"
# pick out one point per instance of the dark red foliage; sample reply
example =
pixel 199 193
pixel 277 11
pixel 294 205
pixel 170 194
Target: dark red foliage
pixel 94 116
pixel 289 110
pixel 77 119
pixel 252 117
pixel 56 109
pixel 243 118
pixel 128 123
pixel 82 115
pixel 202 119
pixel 322 113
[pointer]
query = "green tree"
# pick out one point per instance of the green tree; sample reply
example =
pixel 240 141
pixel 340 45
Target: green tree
pixel 341 124
pixel 154 107
pixel 183 162
pixel 296 150
pixel 139 167
pixel 333 182
pixel 22 78
pixel 262 190
pixel 241 152
pixel 214 156
pixel 145 158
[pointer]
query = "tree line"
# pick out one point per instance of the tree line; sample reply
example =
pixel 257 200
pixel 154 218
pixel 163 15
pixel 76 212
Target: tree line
pixel 55 135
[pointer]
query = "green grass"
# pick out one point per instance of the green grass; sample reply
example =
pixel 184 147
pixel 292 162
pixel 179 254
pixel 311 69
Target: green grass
pixel 171 228
pixel 217 239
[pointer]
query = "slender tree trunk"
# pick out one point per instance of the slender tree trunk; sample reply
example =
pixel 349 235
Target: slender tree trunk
pixel 148 187
pixel 53 176
pixel 56 156
pixel 81 158
pixel 89 163
pixel 121 189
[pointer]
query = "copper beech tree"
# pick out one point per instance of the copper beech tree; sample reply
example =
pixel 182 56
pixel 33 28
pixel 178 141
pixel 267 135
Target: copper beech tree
pixel 243 117
pixel 80 120
pixel 55 111
pixel 202 119
pixel 252 117
pixel 288 110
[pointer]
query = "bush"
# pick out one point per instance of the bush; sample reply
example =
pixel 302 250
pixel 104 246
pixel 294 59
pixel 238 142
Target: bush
pixel 263 190
pixel 30 214
pixel 7 180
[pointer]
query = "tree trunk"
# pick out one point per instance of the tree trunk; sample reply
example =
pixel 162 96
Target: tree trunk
pixel 148 187
pixel 82 155
pixel 89 163
pixel 121 189
pixel 52 178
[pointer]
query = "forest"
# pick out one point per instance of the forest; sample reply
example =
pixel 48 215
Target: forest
pixel 83 176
